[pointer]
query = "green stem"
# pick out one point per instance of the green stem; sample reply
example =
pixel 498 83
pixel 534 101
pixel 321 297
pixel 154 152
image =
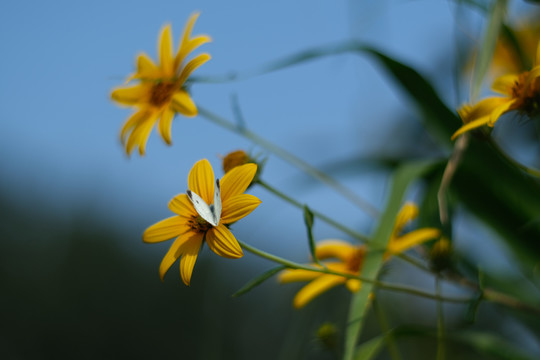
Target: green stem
pixel 323 217
pixel 380 284
pixel 290 158
pixel 441 353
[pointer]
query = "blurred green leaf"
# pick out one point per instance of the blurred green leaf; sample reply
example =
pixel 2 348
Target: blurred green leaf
pixel 492 345
pixel 258 280
pixel 403 176
pixel 370 349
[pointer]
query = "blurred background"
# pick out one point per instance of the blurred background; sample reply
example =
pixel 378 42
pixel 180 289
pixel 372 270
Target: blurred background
pixel 77 280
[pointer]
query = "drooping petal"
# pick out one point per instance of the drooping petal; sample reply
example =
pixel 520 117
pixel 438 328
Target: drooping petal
pixel 315 288
pixel 191 66
pixel 139 135
pixel 498 111
pixel 237 207
pixel 165 123
pixel 334 248
pixel 132 95
pixel 504 84
pixel 201 180
pixel 165 51
pixel 222 242
pixel 470 126
pixel 135 119
pixel 236 181
pixel 166 229
pixel 183 104
pixel 182 206
pixel 190 250
pixel 293 275
pixel 174 253
pixel 412 239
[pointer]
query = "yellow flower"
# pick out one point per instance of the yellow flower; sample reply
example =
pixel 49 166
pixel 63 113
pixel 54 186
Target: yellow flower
pixel 350 259
pixel 521 92
pixel 506 58
pixel 160 93
pixel 235 158
pixel 402 242
pixel 191 226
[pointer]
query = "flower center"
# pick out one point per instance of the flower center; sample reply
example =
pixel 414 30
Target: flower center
pixel 527 93
pixel 355 262
pixel 161 93
pixel 198 224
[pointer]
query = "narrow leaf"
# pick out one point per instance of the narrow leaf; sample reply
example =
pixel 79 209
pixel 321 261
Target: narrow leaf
pixel 370 349
pixel 403 176
pixel 308 220
pixel 258 280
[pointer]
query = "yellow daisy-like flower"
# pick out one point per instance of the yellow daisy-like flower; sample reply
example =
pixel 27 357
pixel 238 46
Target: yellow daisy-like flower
pixel 160 93
pixel 350 259
pixel 521 92
pixel 194 222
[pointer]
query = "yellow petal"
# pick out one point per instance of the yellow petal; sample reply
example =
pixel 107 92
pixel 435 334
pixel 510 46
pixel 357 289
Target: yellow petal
pixel 408 212
pixel 334 248
pixel 165 51
pixel 413 238
pixel 504 84
pixel 353 285
pixel 190 250
pixel 481 109
pixel 201 180
pixel 222 242
pixel 189 47
pixel 293 275
pixel 173 254
pixel 470 126
pixel 131 95
pixel 237 207
pixel 315 288
pixel 191 66
pixel 182 206
pixel 141 132
pixel 499 111
pixel 183 104
pixel 146 69
pixel 165 123
pixel 537 61
pixel 165 229
pixel 135 119
pixel 236 181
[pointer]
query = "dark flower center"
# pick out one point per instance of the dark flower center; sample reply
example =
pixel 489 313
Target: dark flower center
pixel 161 93
pixel 198 224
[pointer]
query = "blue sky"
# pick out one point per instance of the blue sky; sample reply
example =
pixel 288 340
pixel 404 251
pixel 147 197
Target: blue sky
pixel 61 59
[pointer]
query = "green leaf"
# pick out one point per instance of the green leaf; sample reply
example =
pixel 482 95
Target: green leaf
pixel 308 220
pixel 492 345
pixel 485 53
pixel 403 176
pixel 258 280
pixel 370 349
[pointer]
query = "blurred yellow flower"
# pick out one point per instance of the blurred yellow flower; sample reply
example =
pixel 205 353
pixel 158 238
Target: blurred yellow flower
pixel 195 222
pixel 521 92
pixel 507 58
pixel 160 93
pixel 350 259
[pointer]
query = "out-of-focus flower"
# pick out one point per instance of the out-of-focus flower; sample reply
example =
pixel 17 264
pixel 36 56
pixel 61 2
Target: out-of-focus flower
pixel 402 242
pixel 234 159
pixel 521 92
pixel 515 54
pixel 160 93
pixel 194 222
pixel 350 259
pixel 440 254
